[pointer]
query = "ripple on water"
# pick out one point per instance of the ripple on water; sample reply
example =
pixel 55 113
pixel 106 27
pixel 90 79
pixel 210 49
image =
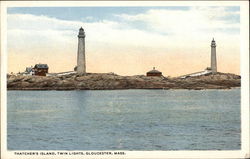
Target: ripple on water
pixel 124 120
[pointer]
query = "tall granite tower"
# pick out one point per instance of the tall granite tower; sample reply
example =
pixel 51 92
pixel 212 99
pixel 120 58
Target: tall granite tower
pixel 213 57
pixel 81 64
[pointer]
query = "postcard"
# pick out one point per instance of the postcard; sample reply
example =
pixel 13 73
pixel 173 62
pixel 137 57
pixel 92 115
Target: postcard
pixel 127 79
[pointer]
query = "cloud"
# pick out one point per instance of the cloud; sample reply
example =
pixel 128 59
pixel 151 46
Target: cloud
pixel 157 37
pixel 181 22
pixel 142 29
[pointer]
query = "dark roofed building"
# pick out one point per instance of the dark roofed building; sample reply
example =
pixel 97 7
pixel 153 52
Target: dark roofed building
pixel 41 69
pixel 154 72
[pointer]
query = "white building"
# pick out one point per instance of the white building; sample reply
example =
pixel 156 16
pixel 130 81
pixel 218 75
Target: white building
pixel 205 72
pixel 61 73
pixel 29 71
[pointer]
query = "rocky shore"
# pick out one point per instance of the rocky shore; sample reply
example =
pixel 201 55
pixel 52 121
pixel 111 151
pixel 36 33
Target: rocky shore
pixel 105 81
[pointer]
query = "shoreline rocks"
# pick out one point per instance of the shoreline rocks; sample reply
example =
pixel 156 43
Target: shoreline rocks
pixel 106 81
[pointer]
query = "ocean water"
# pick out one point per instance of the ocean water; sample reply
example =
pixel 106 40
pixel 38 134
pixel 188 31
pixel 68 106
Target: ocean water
pixel 124 120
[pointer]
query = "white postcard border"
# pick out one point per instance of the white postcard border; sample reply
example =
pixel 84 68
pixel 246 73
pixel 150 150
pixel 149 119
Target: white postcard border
pixel 243 153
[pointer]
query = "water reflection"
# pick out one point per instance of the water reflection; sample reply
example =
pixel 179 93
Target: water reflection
pixel 124 119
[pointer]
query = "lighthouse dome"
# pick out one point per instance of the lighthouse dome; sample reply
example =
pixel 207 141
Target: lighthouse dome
pixel 81 33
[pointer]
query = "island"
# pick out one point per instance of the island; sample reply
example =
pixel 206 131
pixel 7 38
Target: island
pixel 112 81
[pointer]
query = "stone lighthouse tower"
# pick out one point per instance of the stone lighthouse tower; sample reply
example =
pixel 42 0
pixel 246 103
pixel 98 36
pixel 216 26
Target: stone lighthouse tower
pixel 81 64
pixel 213 57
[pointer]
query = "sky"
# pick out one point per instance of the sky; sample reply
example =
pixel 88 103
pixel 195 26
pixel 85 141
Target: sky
pixel 125 40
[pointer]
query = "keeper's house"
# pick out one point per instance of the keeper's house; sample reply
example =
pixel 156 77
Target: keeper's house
pixel 41 69
pixel 154 72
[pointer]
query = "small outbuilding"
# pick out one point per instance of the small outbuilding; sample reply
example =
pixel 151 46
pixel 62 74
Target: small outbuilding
pixel 29 71
pixel 154 72
pixel 41 69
